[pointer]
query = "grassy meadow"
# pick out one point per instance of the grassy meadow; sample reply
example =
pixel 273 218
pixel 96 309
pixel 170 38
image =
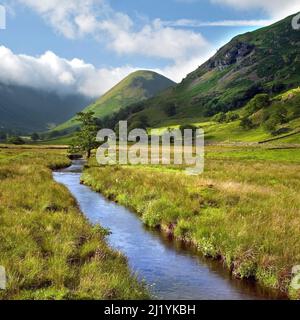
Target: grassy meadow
pixel 244 210
pixel 48 248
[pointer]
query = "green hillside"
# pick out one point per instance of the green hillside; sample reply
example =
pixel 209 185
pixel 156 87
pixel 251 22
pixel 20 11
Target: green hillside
pixel 137 87
pixel 264 61
pixel 278 120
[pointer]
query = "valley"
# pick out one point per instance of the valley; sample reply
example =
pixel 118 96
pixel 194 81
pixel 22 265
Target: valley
pixel 74 229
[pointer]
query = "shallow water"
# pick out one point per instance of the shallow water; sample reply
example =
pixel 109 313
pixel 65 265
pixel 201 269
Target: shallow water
pixel 172 270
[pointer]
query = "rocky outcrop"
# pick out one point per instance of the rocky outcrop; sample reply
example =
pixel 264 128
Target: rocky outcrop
pixel 232 56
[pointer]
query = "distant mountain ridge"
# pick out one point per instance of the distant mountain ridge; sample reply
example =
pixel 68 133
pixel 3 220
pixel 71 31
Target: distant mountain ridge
pixel 136 87
pixel 25 110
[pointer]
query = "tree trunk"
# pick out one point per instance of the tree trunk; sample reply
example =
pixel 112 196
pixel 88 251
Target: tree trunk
pixel 88 154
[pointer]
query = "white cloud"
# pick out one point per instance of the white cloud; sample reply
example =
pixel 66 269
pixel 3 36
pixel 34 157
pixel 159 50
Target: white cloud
pixel 68 17
pixel 276 9
pixel 184 49
pixel 156 40
pixel 222 23
pixel 95 17
pixel 52 73
pixel 181 68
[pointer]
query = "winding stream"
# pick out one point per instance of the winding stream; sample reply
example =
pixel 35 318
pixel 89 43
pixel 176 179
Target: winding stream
pixel 170 269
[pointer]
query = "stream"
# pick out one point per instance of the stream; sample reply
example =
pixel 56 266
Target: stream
pixel 170 268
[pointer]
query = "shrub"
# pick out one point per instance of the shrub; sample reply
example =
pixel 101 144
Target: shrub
pixel 278 87
pixel 282 115
pixel 15 140
pixel 246 123
pixel 220 117
pixel 35 137
pixel 246 270
pixel 272 121
pixel 284 130
pixel 271 124
pixel 296 113
pixel 231 116
pixel 259 101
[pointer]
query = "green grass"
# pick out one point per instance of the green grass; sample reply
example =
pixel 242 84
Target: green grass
pixel 64 140
pixel 244 209
pixel 223 132
pixel 233 132
pixel 277 154
pixel 48 248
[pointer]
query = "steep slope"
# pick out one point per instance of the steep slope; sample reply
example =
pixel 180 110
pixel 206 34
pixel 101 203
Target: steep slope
pixel 266 60
pixel 136 87
pixel 26 110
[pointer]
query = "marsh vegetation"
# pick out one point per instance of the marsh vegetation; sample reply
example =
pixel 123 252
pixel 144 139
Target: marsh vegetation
pixel 48 248
pixel 244 210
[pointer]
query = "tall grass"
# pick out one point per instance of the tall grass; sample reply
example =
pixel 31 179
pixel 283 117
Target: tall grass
pixel 47 247
pixel 244 210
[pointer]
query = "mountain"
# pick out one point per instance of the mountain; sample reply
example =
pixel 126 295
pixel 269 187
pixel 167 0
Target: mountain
pixel 25 110
pixel 136 87
pixel 264 61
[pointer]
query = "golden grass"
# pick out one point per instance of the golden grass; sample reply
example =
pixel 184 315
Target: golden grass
pixel 244 209
pixel 48 248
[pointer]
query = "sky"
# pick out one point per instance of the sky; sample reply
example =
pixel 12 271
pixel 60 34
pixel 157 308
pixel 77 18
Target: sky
pixel 87 46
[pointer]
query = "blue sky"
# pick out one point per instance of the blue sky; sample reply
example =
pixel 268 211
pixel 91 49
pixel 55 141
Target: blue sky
pixel 90 45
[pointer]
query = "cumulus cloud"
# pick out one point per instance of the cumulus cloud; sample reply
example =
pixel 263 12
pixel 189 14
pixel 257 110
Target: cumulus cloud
pixel 156 40
pixel 182 49
pixel 68 17
pixel 53 73
pixel 79 18
pixel 50 72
